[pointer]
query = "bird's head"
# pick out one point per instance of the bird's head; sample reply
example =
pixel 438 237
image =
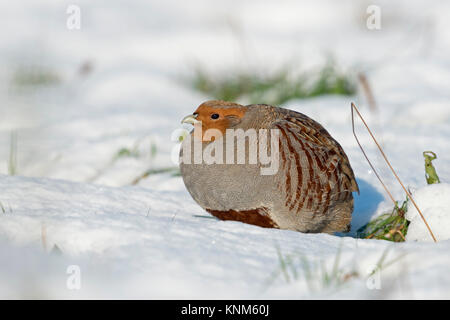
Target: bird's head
pixel 216 114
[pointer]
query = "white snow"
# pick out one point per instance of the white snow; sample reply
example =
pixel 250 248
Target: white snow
pixel 133 242
pixel 434 203
pixel 147 241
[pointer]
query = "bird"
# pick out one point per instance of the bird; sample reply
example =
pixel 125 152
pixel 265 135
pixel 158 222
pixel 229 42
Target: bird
pixel 312 191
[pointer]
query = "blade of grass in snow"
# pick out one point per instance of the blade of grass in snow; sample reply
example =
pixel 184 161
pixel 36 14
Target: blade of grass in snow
pixel 275 88
pixel 430 170
pixel 389 226
pixel 12 161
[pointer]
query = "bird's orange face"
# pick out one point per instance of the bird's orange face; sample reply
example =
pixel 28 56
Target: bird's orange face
pixel 219 115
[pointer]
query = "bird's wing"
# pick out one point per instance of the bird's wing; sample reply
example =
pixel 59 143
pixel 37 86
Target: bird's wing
pixel 316 169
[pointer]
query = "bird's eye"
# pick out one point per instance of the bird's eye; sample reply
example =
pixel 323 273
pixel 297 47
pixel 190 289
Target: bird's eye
pixel 215 116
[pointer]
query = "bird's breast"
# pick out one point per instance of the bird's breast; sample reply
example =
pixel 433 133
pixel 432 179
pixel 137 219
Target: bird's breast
pixel 220 185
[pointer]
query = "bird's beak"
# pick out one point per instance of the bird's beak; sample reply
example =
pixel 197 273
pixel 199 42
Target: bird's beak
pixel 191 119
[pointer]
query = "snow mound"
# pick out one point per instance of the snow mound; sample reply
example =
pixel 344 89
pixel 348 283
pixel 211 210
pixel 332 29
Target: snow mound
pixel 434 201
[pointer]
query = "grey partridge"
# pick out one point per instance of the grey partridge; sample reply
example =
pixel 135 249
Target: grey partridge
pixel 310 192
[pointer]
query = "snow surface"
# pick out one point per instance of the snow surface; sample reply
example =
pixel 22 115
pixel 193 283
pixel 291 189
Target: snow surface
pixel 148 241
pixel 434 203
pixel 133 242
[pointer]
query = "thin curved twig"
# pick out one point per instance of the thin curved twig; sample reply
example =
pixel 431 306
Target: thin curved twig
pixel 353 107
